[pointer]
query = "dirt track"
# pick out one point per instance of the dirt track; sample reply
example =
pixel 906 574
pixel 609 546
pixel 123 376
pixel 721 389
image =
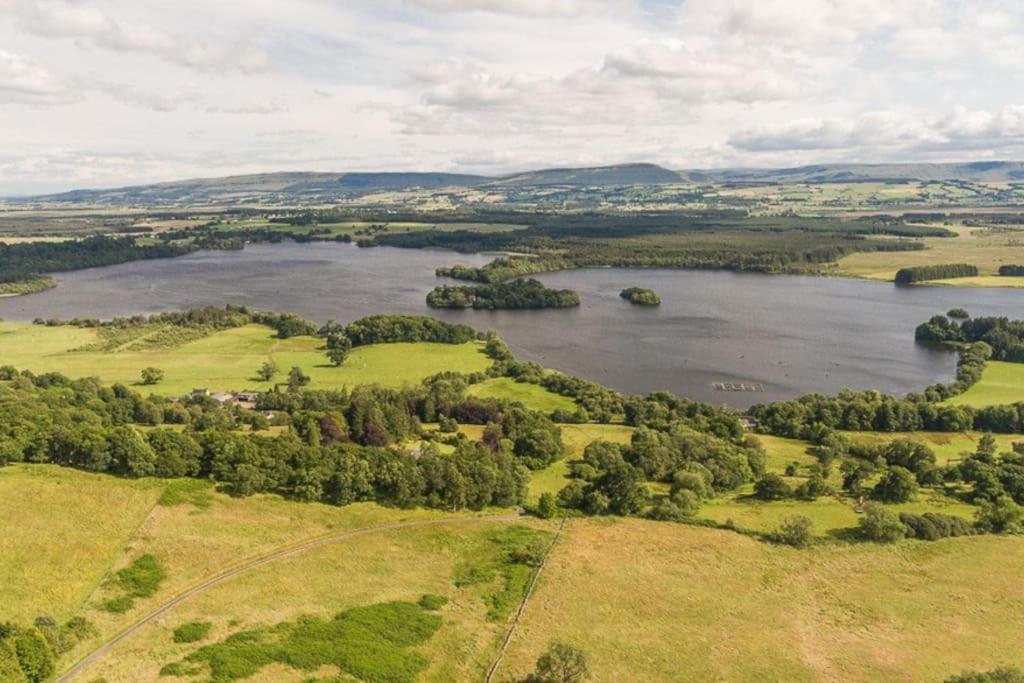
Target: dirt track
pixel 273 556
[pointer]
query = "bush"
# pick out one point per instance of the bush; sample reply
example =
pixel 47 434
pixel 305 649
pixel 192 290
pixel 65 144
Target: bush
pixel 1010 674
pixel 546 506
pixel 192 632
pixel 881 524
pixel 561 663
pixel 932 526
pixel 797 531
pixel 432 602
pixel 772 487
pixel 898 485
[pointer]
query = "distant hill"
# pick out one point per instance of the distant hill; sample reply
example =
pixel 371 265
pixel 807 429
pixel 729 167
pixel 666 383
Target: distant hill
pixel 262 186
pixel 622 174
pixel 978 171
pixel 301 187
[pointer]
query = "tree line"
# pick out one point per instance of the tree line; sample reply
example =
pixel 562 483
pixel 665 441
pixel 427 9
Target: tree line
pixel 936 272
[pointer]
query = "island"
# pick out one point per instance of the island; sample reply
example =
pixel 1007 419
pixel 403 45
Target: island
pixel 640 296
pixel 518 294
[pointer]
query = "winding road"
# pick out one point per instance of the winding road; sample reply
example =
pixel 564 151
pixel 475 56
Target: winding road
pixel 247 565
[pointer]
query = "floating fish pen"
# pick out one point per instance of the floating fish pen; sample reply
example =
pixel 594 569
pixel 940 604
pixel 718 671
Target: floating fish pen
pixel 738 386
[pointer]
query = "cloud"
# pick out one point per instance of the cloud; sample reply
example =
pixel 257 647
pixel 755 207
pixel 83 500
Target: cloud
pixel 89 25
pixel 23 81
pixel 522 8
pixel 894 134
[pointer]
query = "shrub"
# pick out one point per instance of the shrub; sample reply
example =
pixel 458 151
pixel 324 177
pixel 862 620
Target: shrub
pixel 1010 674
pixel 432 602
pixel 561 663
pixel 898 485
pixel 880 524
pixel 796 531
pixel 192 632
pixel 546 506
pixel 772 487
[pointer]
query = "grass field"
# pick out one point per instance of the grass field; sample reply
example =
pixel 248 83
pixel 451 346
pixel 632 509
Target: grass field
pixel 1002 383
pixel 228 360
pixel 714 605
pixel 665 603
pixel 532 396
pixel 984 248
pixel 60 531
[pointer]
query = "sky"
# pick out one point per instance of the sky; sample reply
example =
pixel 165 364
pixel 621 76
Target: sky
pixel 103 93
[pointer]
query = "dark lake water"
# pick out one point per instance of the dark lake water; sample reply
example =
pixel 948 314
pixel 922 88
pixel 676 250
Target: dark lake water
pixel 793 334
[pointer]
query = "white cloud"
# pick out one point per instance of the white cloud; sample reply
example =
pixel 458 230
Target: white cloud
pixel 206 87
pixel 23 81
pixel 89 25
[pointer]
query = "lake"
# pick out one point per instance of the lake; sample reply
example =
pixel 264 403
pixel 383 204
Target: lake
pixel 791 334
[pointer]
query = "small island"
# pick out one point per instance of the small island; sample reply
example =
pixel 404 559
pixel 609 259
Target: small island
pixel 641 296
pixel 518 294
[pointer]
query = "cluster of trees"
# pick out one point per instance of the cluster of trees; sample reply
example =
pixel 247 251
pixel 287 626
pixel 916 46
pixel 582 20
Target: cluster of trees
pixel 872 411
pixel 936 272
pixel 1011 271
pixel 1003 337
pixel 29 653
pixel 26 260
pixel 384 329
pixel 640 296
pixel 517 294
pixel 612 479
pixel 341 448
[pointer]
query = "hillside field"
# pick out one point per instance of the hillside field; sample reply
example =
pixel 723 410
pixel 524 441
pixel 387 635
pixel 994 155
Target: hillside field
pixel 715 605
pixel 229 359
pixel 720 606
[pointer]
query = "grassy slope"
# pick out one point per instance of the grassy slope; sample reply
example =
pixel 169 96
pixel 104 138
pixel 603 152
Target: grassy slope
pixel 60 530
pixel 229 359
pixel 530 395
pixel 718 606
pixel 986 249
pixel 1002 383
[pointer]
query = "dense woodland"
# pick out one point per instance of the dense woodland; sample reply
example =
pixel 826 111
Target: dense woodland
pixel 518 294
pixel 30 259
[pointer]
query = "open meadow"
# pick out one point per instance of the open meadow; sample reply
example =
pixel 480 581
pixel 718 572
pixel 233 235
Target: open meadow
pixel 1001 383
pixel 659 602
pixel 229 359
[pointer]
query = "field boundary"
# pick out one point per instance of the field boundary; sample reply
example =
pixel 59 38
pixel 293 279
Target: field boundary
pixel 254 563
pixel 522 605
